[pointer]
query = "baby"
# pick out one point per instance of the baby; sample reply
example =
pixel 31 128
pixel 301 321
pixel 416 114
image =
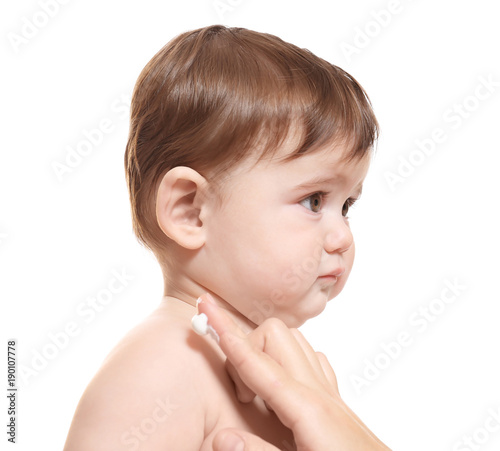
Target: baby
pixel 244 156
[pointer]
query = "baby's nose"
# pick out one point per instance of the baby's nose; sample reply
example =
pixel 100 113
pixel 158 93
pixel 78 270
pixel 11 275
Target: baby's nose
pixel 338 237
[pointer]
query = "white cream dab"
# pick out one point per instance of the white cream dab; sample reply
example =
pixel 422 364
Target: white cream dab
pixel 200 325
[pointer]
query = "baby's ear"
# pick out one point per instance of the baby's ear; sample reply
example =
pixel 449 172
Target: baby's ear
pixel 178 206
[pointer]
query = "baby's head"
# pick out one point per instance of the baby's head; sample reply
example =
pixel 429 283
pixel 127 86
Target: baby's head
pixel 244 155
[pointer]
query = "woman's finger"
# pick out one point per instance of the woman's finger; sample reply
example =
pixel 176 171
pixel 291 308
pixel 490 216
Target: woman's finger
pixel 311 356
pixel 219 321
pixel 243 393
pixel 328 372
pixel 275 339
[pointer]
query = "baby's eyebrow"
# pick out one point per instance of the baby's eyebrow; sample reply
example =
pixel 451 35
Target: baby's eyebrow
pixel 315 182
pixel 318 181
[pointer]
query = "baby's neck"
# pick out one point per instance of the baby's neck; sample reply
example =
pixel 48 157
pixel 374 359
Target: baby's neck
pixel 186 306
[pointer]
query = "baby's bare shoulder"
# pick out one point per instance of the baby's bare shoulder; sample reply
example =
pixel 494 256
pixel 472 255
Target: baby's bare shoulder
pixel 143 397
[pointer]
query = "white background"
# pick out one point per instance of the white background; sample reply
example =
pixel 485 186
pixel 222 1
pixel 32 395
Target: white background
pixel 60 240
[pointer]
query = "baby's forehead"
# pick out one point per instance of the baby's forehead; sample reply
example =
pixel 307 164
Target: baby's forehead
pixel 326 166
pixel 334 161
pixel 334 157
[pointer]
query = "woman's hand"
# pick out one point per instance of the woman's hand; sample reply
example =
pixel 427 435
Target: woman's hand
pixel 297 383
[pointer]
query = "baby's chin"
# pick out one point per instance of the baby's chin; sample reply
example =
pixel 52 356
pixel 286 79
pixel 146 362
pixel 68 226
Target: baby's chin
pixel 296 321
pixel 294 318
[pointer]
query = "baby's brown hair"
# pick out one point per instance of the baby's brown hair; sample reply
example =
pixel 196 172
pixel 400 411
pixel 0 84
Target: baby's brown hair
pixel 213 95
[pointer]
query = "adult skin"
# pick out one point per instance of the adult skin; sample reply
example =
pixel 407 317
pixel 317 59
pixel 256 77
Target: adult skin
pixel 297 383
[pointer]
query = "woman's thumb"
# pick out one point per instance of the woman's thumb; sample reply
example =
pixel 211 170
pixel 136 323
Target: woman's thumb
pixel 237 440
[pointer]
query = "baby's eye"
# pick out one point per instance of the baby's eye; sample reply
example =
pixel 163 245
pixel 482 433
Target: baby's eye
pixel 347 204
pixel 313 202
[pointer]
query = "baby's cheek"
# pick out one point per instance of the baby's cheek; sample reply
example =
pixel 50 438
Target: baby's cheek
pixel 349 257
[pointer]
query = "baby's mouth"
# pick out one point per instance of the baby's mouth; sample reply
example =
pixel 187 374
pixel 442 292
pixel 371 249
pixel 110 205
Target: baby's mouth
pixel 328 279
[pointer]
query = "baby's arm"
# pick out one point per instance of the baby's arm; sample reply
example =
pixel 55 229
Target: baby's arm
pixel 141 398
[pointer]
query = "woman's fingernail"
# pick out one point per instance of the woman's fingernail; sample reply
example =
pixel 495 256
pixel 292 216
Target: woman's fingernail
pixel 233 442
pixel 210 298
